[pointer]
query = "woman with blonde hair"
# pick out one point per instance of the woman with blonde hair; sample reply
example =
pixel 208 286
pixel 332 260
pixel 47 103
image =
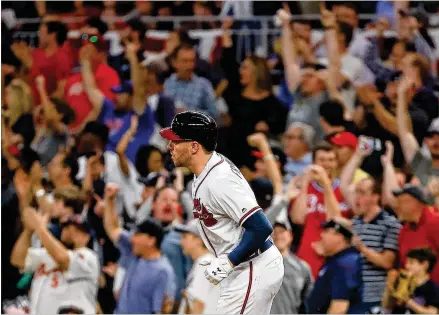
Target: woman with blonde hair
pixel 250 99
pixel 17 113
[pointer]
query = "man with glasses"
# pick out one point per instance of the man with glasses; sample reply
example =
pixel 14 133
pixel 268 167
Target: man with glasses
pixel 297 142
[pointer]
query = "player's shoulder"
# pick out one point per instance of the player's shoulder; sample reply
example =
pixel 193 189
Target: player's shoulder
pixel 85 253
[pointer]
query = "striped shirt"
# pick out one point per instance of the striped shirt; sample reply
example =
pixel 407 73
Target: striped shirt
pixel 379 234
pixel 296 286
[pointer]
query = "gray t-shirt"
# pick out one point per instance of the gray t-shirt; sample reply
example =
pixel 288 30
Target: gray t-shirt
pixel 296 286
pixel 422 167
pixel 48 145
pixel 306 110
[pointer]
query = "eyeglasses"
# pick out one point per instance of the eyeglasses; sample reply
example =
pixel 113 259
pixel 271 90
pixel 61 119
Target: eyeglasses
pixel 293 137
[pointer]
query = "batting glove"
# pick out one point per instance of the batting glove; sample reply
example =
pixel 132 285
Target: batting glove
pixel 217 269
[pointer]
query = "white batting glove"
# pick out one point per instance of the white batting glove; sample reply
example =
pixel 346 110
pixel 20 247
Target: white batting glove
pixel 217 269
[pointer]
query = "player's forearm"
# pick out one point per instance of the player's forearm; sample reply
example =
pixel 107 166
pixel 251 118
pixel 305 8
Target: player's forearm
pixel 55 248
pixel 21 247
pixel 257 230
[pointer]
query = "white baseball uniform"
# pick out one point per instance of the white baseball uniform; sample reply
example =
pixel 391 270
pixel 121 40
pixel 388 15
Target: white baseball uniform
pixel 53 288
pixel 223 201
pixel 199 288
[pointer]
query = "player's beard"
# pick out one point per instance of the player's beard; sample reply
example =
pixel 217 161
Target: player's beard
pixel 182 160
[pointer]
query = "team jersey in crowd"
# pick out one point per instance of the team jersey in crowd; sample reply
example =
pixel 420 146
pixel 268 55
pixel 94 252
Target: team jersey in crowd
pixel 223 201
pixel 199 288
pixel 53 288
pixel 315 217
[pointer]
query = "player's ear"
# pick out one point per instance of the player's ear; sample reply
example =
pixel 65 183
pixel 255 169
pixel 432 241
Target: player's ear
pixel 194 147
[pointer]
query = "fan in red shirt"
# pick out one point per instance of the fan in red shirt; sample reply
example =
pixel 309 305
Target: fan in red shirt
pixel 421 226
pixel 105 76
pixel 319 201
pixel 50 60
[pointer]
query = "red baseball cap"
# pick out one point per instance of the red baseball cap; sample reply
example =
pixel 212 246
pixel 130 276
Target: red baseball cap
pixel 345 139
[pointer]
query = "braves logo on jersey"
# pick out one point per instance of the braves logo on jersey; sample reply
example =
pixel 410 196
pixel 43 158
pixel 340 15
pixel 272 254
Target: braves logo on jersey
pixel 200 212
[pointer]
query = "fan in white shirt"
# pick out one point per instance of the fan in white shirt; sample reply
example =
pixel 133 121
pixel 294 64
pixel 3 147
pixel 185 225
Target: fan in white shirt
pixel 200 296
pixel 64 279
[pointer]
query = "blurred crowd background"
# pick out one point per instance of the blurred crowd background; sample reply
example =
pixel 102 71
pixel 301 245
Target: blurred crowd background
pixel 343 95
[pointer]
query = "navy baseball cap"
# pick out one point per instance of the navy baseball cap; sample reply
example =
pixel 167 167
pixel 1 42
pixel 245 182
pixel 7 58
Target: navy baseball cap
pixel 78 221
pixel 340 227
pixel 125 87
pixel 151 227
pixel 415 191
pixel 193 126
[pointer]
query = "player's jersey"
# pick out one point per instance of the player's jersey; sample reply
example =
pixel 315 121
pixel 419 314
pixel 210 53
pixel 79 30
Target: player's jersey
pixel 313 221
pixel 223 201
pixel 53 288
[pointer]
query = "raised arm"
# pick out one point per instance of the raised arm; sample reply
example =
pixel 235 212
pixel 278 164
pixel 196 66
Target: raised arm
pixel 407 139
pixel 21 247
pixel 111 220
pixel 300 205
pixel 332 207
pixel 289 57
pixel 123 145
pixel 95 96
pixel 347 175
pixel 54 247
pixel 329 22
pixel 139 92
pixel 259 140
pixel 390 182
pixel 50 113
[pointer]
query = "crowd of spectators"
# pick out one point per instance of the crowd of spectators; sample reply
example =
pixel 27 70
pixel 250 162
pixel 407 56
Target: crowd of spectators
pixel 338 137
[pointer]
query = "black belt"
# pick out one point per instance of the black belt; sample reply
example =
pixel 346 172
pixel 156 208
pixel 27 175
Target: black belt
pixel 267 245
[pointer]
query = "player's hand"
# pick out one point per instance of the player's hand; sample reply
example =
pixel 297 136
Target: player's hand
pixel 111 191
pixel 357 242
pixel 217 269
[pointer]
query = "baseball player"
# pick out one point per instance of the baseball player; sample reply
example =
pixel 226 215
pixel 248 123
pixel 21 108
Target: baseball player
pixel 247 266
pixel 63 279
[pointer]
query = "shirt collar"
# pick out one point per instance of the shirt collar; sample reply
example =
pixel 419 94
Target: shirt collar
pixel 341 253
pixel 213 160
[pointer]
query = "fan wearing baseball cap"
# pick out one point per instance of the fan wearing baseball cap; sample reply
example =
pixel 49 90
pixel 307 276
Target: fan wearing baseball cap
pixel 421 227
pixel 200 296
pixel 117 115
pixel 345 143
